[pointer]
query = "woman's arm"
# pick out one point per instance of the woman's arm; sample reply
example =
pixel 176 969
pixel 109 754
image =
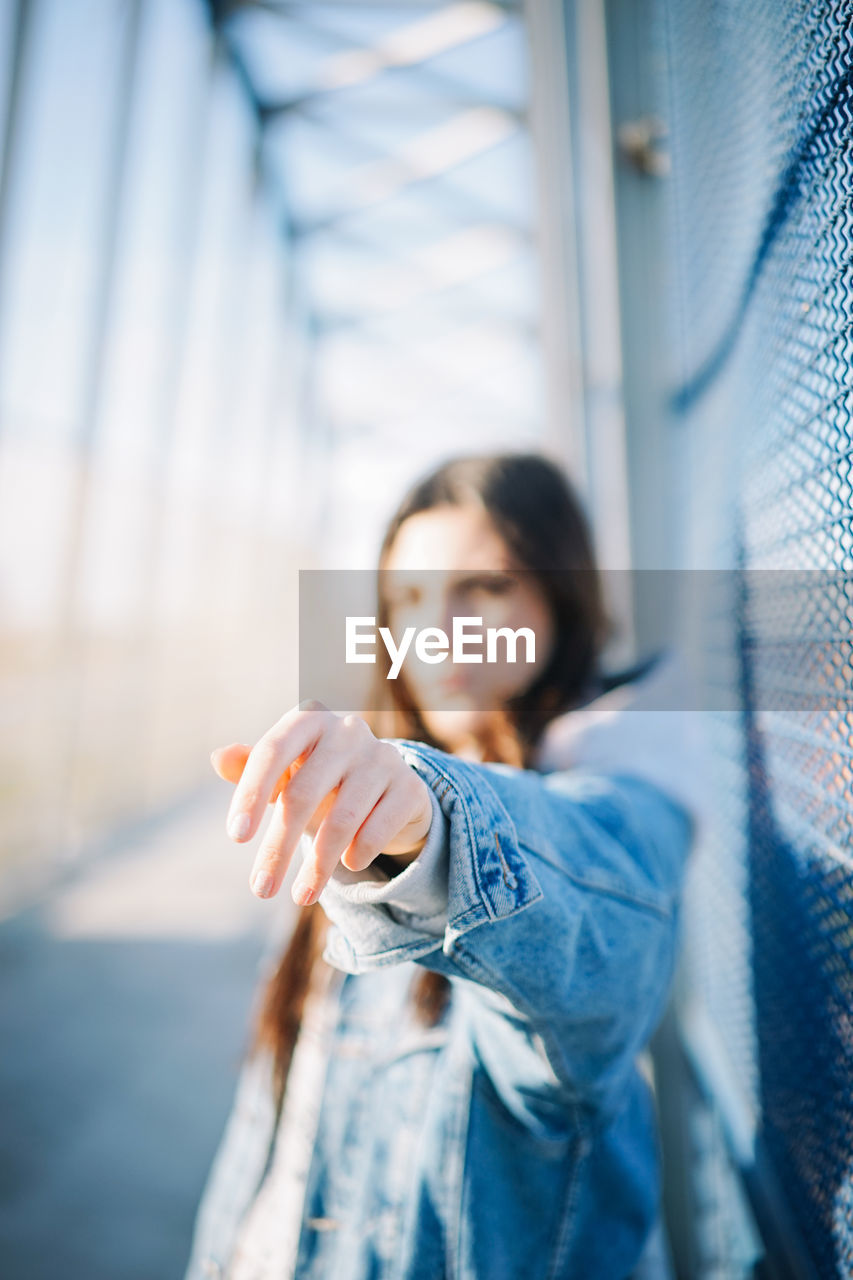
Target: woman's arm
pixel 563 910
pixel 562 891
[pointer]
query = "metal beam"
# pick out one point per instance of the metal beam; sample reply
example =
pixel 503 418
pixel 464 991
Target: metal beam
pixel 447 88
pixel 221 10
pixel 22 26
pixel 557 234
pixel 69 638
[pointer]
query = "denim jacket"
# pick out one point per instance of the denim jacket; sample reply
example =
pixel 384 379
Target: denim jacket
pixel 517 1137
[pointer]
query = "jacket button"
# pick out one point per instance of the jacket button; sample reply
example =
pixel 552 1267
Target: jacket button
pixel 322 1224
pixel 211 1267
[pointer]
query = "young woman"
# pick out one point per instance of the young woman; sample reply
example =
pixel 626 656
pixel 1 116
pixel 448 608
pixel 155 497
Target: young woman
pixel 445 1079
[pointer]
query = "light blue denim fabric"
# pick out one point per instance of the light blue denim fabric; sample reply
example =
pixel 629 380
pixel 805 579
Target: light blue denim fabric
pixel 517 1138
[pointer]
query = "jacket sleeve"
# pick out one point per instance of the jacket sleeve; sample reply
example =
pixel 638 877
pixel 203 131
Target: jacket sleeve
pixel 561 921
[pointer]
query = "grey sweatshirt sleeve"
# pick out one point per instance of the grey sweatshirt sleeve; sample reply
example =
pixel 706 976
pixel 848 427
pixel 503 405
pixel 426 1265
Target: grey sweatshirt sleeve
pixel 418 895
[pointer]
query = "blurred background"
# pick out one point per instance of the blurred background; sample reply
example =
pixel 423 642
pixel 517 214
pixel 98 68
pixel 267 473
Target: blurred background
pixel 263 263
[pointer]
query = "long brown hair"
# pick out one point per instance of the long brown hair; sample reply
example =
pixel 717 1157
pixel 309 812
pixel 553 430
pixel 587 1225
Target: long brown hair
pixel 535 509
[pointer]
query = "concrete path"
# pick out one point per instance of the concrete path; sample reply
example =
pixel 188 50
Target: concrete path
pixel 124 1010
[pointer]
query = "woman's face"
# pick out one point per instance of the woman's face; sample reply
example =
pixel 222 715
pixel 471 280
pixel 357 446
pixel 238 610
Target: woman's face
pixel 434 563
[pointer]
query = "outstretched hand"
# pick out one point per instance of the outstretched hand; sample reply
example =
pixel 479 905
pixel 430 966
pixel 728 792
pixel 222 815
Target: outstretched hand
pixel 327 776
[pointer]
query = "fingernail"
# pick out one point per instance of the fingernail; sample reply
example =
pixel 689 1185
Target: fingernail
pixel 302 894
pixel 238 826
pixel 263 884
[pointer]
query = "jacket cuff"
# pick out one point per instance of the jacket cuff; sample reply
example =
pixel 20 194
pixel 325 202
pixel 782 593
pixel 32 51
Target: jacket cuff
pixel 487 876
pixel 416 896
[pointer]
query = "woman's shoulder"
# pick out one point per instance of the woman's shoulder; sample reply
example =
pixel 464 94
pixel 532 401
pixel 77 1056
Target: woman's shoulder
pixel 649 728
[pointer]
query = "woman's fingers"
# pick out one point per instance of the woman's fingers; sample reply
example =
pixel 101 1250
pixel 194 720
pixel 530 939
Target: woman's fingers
pixel 230 761
pixel 413 818
pixel 357 796
pixel 384 824
pixel 328 775
pixel 331 794
pixel 295 733
pixel 377 810
pixel 304 801
pixel 269 869
pixel 277 849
